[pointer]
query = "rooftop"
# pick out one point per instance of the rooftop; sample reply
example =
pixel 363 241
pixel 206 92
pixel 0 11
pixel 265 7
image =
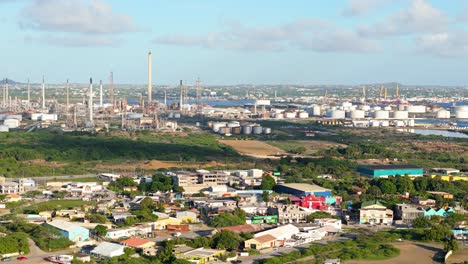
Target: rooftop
pixel 265 238
pixel 63 225
pixel 135 242
pixel 202 252
pixel 105 248
pixel 390 167
pixel 305 187
pixel 373 202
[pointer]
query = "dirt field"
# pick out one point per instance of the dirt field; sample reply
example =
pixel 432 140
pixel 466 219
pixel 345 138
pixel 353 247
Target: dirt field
pixel 459 256
pixel 152 165
pixel 410 253
pixel 41 162
pixel 253 148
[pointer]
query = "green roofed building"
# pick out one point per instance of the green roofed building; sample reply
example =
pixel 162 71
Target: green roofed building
pixel 383 171
pixel 374 212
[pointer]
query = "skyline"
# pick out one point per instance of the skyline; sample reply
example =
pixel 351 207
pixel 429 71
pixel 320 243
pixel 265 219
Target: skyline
pixel 268 42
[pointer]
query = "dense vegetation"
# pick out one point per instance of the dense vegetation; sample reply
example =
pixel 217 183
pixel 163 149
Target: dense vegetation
pixel 370 247
pixel 229 219
pixel 72 148
pixel 15 242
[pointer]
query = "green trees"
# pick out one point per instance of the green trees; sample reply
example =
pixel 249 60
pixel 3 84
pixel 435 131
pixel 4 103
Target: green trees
pixel 122 182
pixel 96 218
pixel 226 240
pixel 265 196
pixel 238 217
pixel 318 215
pixel 421 222
pixel 159 182
pixel 387 186
pixel 451 244
pixel 15 242
pixel 100 230
pixel 268 183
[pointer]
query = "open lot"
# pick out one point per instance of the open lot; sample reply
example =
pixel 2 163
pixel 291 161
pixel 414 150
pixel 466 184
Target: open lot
pixel 311 146
pixel 410 253
pixel 253 148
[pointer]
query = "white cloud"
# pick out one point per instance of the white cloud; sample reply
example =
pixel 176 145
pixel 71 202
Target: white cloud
pixel 361 7
pixel 452 44
pixel 90 17
pixel 308 34
pixel 419 17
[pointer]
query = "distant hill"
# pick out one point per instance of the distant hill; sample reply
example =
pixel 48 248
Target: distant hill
pixel 2 81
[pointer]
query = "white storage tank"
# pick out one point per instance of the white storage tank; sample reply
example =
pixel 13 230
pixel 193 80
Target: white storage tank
pixel 381 114
pixel 4 128
pixel 416 109
pixel 410 123
pixel 316 111
pixel 290 115
pixel 443 114
pixel 384 124
pixel 336 114
pixel 399 123
pixel 279 116
pixel 36 116
pixel 400 114
pixel 50 117
pixel 388 108
pixel 401 107
pixel 355 114
pixel 375 123
pixel 233 124
pixel 217 126
pixel 257 130
pixel 303 115
pixel 377 108
pixel 461 114
pixel 266 130
pixel 19 117
pixel 11 123
pixel 365 108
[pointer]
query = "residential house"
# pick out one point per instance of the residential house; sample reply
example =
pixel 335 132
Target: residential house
pixel 138 243
pixel 406 213
pixel 373 212
pixel 261 242
pixel 423 201
pixel 438 212
pixel 108 250
pixel 187 217
pixel 196 255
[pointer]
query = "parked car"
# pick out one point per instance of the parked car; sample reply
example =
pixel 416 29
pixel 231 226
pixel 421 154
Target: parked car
pixel 21 258
pixel 6 259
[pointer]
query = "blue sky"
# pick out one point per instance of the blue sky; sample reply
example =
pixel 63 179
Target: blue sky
pixel 237 41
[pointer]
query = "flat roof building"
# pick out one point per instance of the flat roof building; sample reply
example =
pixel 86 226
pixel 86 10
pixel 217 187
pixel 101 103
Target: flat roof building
pixel 70 231
pixel 383 171
pixel 303 189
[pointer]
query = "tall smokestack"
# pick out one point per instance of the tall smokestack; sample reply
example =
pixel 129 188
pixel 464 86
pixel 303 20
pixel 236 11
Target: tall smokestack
pixel 29 92
pixel 397 91
pixel 111 90
pixel 150 73
pixel 90 103
pixel 100 93
pixel 43 94
pixel 68 97
pixel 7 96
pixel 4 92
pixel 181 95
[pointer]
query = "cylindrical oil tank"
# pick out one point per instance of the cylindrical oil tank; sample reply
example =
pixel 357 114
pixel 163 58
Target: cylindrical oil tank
pixel 266 130
pixel 176 115
pixel 381 114
pixel 4 128
pixel 279 116
pixel 247 130
pixel 377 108
pixel 388 108
pixel 410 123
pixel 316 110
pixel 303 115
pixel 224 130
pixel 458 115
pixel 236 130
pixel 355 114
pixel 400 115
pixel 11 123
pixel 375 123
pixel 336 114
pixel 399 123
pixel 384 123
pixel 401 107
pixel 365 107
pixel 443 114
pixel 416 109
pixel 233 124
pixel 217 126
pixel 290 115
pixel 257 130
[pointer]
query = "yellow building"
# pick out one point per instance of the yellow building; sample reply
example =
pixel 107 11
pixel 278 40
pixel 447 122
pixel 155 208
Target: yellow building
pixel 449 177
pixel 161 224
pixel 197 255
pixel 261 242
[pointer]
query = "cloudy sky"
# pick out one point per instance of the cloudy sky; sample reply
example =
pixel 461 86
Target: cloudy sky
pixel 237 41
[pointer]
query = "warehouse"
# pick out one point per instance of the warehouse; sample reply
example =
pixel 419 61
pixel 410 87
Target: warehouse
pixel 303 189
pixel 383 171
pixel 70 231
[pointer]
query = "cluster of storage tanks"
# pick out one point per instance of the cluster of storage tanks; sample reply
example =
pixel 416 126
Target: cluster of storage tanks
pixel 289 114
pixel 347 110
pixel 236 128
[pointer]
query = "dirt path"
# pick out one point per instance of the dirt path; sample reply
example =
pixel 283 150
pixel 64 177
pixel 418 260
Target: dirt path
pixel 410 253
pixel 253 148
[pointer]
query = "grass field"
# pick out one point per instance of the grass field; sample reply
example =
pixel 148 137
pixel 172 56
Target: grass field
pixel 253 148
pixel 311 146
pixel 56 205
pixel 410 253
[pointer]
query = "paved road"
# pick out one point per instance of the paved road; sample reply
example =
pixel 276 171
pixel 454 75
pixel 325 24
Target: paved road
pixel 36 255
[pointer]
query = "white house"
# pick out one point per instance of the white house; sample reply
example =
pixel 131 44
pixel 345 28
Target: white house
pixel 108 250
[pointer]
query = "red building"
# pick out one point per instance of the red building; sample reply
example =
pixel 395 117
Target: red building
pixel 314 202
